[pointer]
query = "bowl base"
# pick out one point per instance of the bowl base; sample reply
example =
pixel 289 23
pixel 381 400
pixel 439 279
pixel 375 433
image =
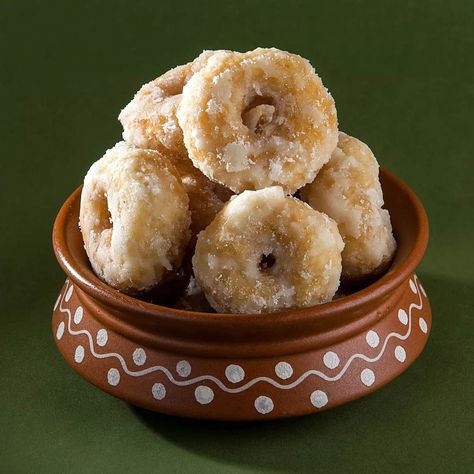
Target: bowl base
pixel 249 388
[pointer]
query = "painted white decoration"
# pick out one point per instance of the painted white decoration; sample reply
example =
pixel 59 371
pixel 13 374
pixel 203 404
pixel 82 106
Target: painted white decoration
pixel 69 293
pixel 319 398
pixel 204 395
pixel 158 391
pixel 78 314
pixel 113 377
pixel 102 337
pixel 261 379
pixel 234 373
pixel 264 404
pixel 331 360
pixel 400 354
pixel 413 286
pixel 60 330
pixel 403 316
pixel 183 367
pixel 368 377
pixel 57 302
pixel 372 339
pixel 139 356
pixel 79 354
pixel 423 325
pixel 422 289
pixel 283 370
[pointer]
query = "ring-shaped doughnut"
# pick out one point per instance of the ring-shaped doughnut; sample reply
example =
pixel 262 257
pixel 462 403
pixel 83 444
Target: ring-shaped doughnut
pixel 134 218
pixel 149 120
pixel 258 119
pixel 348 190
pixel 265 252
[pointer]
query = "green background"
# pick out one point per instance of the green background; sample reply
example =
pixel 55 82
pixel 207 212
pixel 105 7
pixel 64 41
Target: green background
pixel 402 74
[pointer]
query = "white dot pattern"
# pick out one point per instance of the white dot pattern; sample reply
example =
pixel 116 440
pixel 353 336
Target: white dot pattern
pixel 102 337
pixel 283 370
pixel 331 360
pixel 69 293
pixel 264 404
pixel 78 315
pixel 403 316
pixel 372 339
pixel 139 356
pixel 423 325
pixel 319 398
pixel 113 377
pixel 204 395
pixel 79 354
pixel 60 331
pixel 367 377
pixel 400 354
pixel 234 373
pixel 183 367
pixel 158 391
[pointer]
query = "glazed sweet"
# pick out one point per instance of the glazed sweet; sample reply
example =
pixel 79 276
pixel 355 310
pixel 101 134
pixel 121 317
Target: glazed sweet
pixel 149 120
pixel 134 218
pixel 259 123
pixel 266 251
pixel 206 198
pixel 348 190
pixel 258 119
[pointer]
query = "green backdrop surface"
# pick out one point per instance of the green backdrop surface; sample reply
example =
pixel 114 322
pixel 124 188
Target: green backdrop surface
pixel 402 74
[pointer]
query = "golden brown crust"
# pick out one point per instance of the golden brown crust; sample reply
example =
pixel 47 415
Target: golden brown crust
pixel 134 218
pixel 149 120
pixel 348 190
pixel 206 198
pixel 266 252
pixel 257 119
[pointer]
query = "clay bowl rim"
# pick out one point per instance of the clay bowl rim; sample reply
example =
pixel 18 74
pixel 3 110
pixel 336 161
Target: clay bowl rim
pixel 368 296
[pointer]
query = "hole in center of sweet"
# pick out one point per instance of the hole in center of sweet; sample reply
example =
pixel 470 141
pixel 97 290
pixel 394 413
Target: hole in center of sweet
pixel 172 85
pixel 259 114
pixel 266 262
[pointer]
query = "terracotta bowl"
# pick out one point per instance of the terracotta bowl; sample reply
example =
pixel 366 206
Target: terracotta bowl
pixel 244 367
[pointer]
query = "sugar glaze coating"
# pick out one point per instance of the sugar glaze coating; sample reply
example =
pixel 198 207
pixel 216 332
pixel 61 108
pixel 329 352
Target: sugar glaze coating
pixel 258 119
pixel 134 218
pixel 348 190
pixel 266 251
pixel 149 120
